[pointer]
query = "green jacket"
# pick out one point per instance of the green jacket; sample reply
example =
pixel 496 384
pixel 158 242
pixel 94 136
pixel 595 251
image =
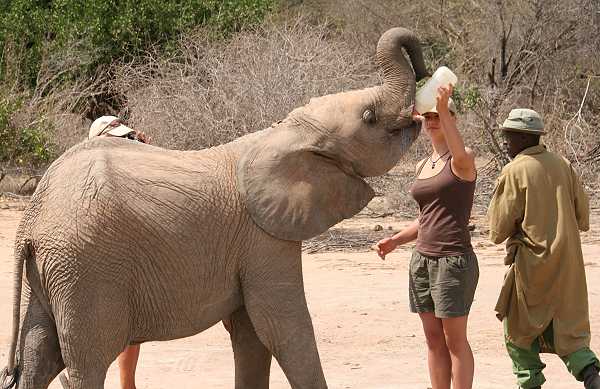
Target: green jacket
pixel 539 205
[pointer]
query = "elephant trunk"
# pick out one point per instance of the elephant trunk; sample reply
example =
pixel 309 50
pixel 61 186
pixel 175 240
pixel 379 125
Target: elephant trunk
pixel 399 79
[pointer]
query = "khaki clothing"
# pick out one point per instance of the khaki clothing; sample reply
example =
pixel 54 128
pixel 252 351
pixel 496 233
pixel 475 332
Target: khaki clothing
pixel 539 205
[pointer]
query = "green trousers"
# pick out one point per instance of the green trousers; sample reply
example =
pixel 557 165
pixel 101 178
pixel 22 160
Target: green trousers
pixel 528 366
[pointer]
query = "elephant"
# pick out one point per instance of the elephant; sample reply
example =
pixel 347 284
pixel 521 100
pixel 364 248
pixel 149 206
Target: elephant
pixel 124 243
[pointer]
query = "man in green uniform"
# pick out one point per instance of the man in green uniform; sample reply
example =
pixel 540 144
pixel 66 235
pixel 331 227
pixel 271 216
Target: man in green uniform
pixel 539 205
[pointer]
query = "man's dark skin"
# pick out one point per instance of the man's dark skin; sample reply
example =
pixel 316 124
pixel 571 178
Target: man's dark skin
pixel 516 142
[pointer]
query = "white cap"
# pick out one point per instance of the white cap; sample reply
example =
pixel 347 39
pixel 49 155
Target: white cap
pixel 451 107
pixel 102 126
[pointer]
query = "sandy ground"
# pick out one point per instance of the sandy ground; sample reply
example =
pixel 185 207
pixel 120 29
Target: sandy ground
pixel 367 337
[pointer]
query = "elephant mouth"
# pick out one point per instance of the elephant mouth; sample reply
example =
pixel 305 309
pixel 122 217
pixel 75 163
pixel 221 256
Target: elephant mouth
pixel 394 131
pixel 413 130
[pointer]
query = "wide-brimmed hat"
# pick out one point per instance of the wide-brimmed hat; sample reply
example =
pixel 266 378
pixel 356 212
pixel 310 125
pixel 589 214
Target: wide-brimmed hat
pixel 524 120
pixel 451 108
pixel 102 126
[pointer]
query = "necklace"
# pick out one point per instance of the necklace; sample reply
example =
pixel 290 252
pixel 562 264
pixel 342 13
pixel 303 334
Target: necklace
pixel 437 159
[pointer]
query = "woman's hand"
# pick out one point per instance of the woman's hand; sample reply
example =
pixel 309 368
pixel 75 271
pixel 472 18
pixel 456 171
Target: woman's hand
pixel 142 137
pixel 417 117
pixel 441 100
pixel 384 247
pixel 387 245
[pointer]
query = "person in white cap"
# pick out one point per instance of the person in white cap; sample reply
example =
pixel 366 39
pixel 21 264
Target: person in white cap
pixel 113 126
pixel 538 207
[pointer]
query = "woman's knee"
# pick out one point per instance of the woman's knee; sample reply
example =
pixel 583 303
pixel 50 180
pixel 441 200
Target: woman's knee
pixel 455 333
pixel 435 340
pixel 456 343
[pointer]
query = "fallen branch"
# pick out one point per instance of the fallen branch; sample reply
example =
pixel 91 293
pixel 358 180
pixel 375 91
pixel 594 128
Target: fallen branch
pixel 34 177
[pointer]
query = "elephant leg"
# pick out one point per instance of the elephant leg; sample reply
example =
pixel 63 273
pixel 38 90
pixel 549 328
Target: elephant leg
pixel 274 298
pixel 40 357
pixel 252 358
pixel 92 333
pixel 87 380
pixel 87 362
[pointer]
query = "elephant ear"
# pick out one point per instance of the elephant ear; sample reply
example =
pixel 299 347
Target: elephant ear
pixel 294 192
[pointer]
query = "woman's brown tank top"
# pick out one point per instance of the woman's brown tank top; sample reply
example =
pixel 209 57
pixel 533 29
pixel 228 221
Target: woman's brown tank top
pixel 445 203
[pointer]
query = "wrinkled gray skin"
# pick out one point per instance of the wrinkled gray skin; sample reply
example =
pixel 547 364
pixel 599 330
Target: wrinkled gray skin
pixel 126 243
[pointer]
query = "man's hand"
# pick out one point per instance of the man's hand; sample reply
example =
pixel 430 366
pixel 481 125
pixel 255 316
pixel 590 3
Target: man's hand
pixel 384 247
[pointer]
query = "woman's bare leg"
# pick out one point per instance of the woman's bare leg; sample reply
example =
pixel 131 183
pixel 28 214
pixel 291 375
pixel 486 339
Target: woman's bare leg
pixel 463 365
pixel 127 363
pixel 438 356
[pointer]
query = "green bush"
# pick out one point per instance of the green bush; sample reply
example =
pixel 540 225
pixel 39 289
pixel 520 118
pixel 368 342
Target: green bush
pixel 466 97
pixel 25 146
pixel 106 30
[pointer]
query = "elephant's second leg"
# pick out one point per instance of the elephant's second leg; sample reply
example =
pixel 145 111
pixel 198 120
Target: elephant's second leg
pixel 92 333
pixel 252 359
pixel 40 358
pixel 274 299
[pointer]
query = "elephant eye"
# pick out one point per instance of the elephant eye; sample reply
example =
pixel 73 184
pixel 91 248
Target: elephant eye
pixel 369 116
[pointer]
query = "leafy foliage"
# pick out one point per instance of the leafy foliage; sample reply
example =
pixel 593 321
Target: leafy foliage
pixel 23 145
pixel 111 29
pixel 466 97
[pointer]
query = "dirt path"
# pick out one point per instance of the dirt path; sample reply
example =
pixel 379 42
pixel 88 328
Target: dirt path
pixel 365 334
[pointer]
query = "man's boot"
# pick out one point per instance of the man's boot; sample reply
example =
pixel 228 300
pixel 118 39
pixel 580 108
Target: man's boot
pixel 591 379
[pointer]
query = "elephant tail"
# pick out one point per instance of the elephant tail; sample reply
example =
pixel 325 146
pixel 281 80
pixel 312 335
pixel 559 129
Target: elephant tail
pixel 22 252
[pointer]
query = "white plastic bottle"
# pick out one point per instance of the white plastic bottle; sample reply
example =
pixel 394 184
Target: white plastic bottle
pixel 425 98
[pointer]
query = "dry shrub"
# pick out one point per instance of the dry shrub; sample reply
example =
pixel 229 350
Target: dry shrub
pixel 59 102
pixel 66 108
pixel 214 92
